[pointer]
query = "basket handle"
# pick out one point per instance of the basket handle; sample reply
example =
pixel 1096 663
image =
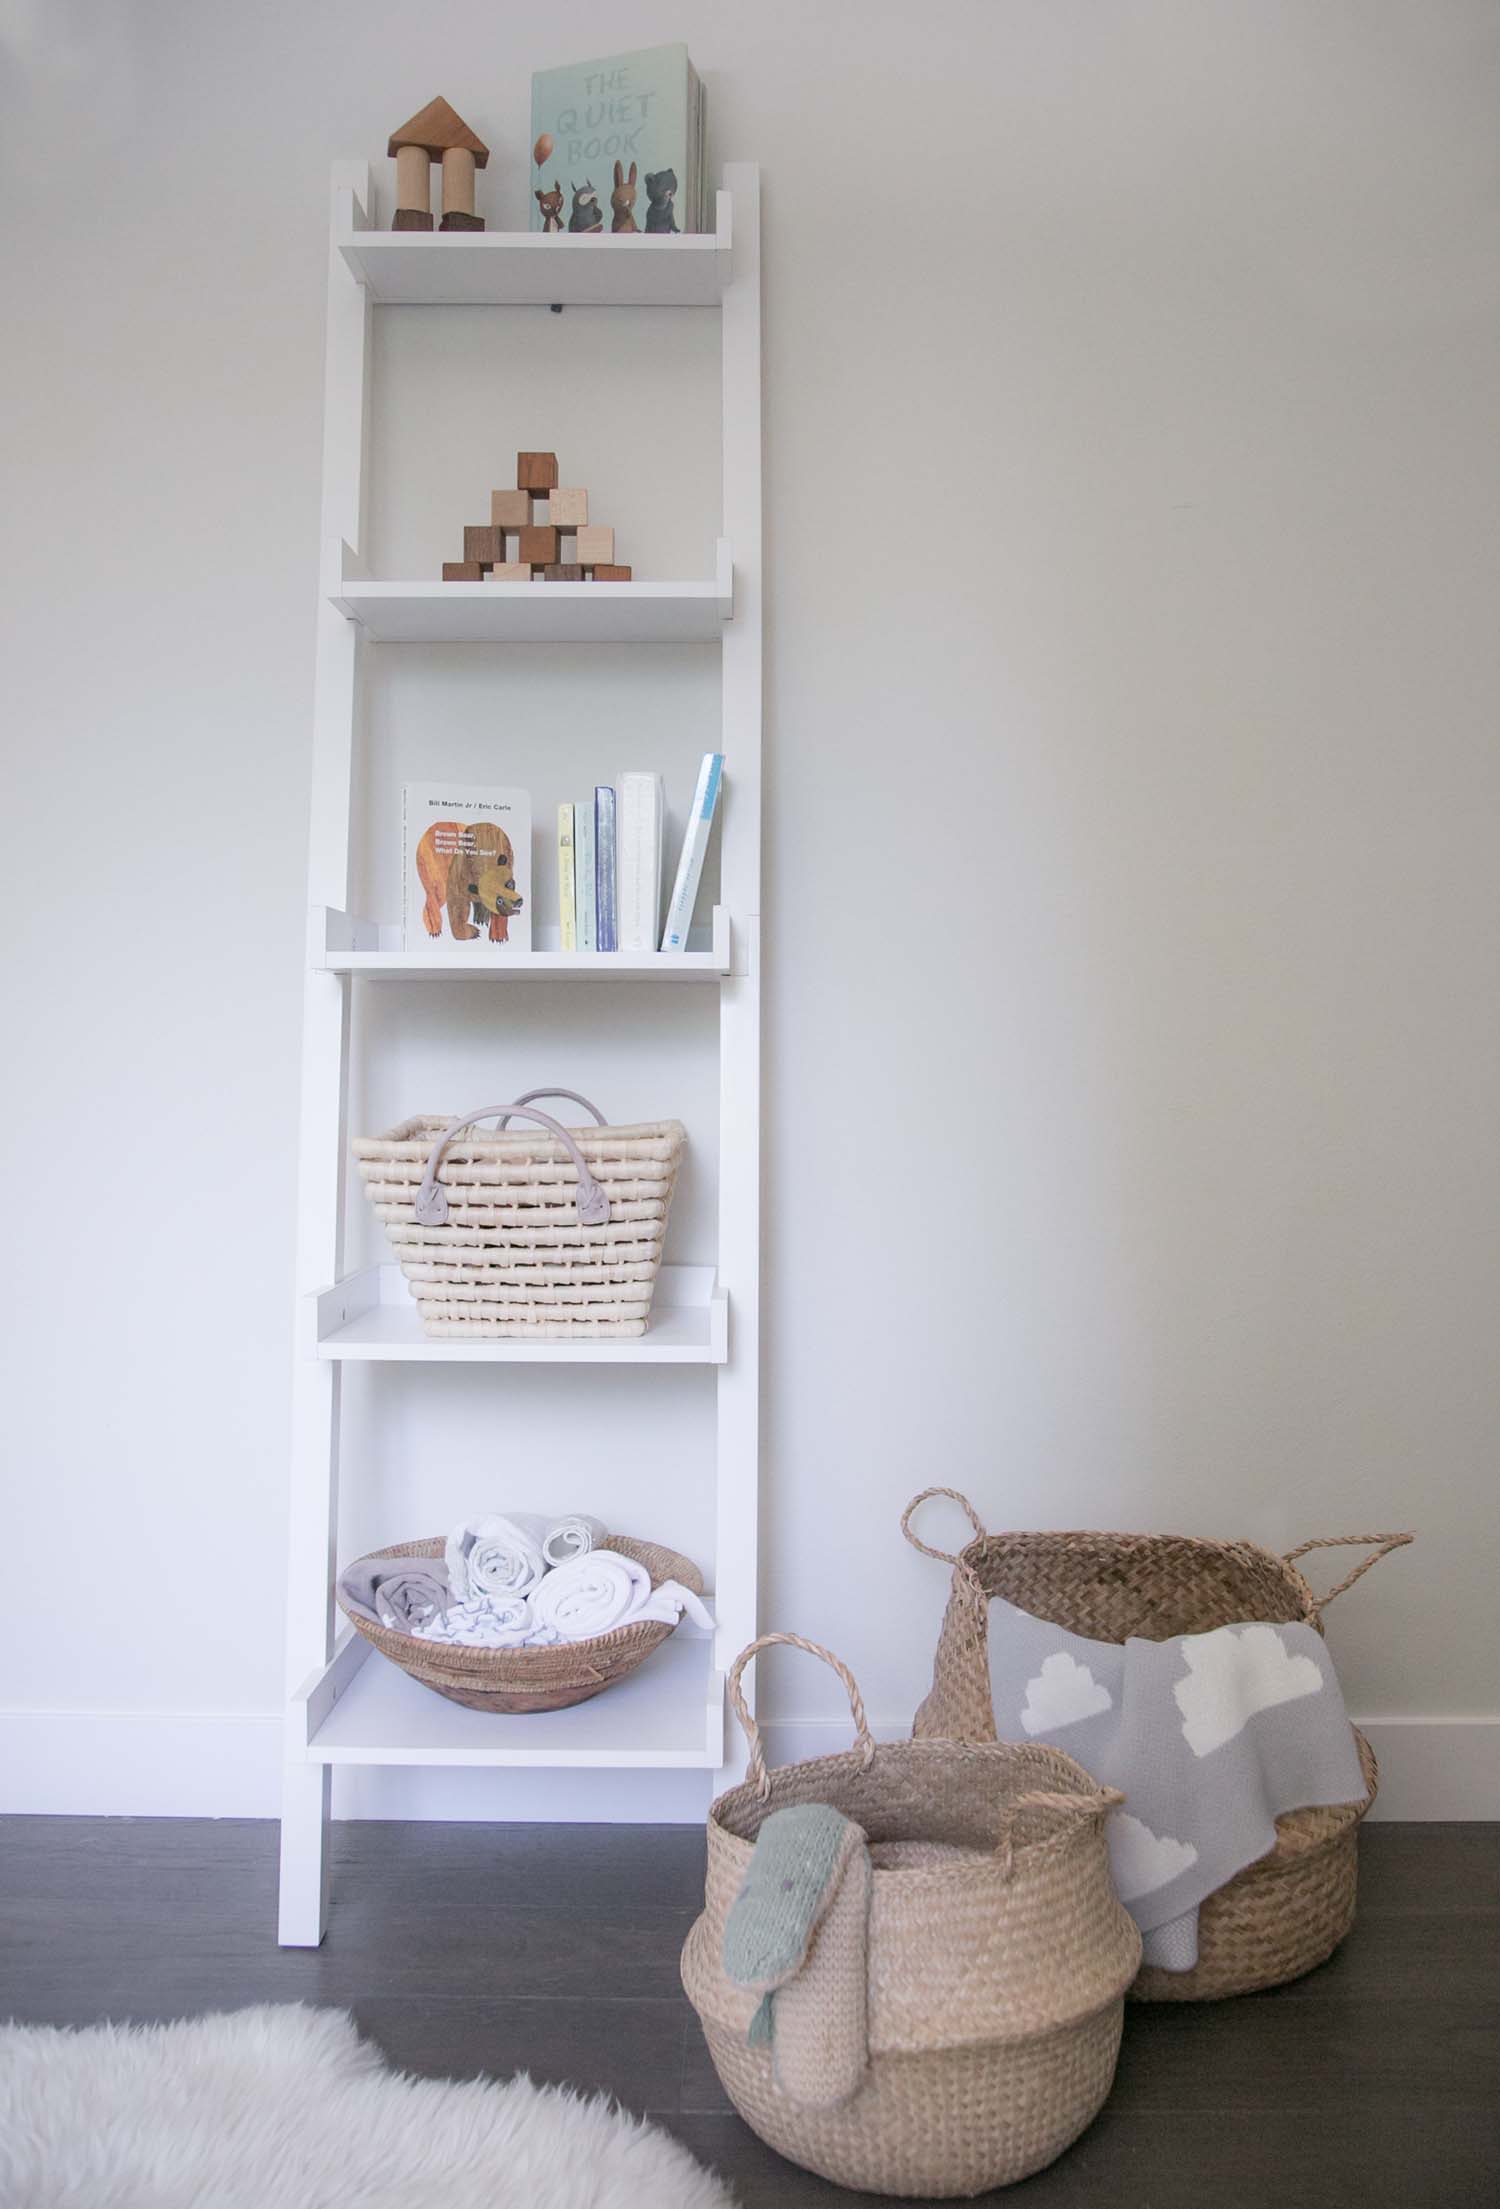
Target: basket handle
pixel 1380 1545
pixel 1079 1806
pixel 864 1740
pixel 947 1557
pixel 431 1207
pixel 572 1096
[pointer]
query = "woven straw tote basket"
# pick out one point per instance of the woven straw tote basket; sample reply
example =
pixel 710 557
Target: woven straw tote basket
pixel 1279 1917
pixel 997 1958
pixel 555 1234
pixel 517 1680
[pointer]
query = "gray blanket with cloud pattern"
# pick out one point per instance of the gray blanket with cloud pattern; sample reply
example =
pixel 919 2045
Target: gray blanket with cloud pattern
pixel 1211 1738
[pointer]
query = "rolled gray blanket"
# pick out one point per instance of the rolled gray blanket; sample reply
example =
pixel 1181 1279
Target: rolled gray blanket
pixel 399 1592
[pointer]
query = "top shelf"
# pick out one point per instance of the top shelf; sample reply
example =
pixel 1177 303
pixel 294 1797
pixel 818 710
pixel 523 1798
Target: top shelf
pixel 524 268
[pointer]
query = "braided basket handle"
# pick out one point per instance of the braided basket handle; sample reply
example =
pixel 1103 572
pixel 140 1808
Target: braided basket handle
pixel 530 1097
pixel 945 1556
pixel 1099 1799
pixel 864 1740
pixel 1380 1545
pixel 431 1206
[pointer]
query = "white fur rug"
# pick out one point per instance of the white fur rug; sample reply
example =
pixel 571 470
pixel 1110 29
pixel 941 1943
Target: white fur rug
pixel 287 2108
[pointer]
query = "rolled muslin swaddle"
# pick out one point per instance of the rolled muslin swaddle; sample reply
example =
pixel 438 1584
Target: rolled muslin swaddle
pixel 484 1622
pixel 402 1593
pixel 496 1555
pixel 571 1537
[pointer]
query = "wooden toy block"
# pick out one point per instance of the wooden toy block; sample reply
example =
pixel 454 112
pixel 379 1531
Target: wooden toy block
pixel 538 545
pixel 484 544
pixel 436 133
pixel 462 571
pixel 536 472
pixel 607 572
pixel 596 543
pixel 510 571
pixel 564 571
pixel 567 509
pixel 511 509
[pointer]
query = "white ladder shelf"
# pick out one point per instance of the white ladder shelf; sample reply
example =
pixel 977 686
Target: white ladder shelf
pixel 345 1704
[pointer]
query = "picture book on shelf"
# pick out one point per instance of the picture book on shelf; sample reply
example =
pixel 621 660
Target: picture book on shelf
pixel 466 868
pixel 625 133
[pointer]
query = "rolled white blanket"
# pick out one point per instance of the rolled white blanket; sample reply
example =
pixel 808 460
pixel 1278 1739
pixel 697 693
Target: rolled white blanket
pixel 592 1595
pixel 573 1536
pixel 484 1622
pixel 603 1590
pixel 496 1555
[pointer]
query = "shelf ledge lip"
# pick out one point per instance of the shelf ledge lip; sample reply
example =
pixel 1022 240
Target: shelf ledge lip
pixel 421 611
pixel 358 1708
pixel 340 944
pixel 526 268
pixel 371 1317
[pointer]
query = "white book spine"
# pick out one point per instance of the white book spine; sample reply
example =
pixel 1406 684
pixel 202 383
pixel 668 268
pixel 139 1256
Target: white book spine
pixel 583 874
pixel 641 809
pixel 694 847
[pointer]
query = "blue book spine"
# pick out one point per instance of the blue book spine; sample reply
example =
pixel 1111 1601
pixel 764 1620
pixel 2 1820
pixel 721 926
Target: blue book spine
pixel 604 867
pixel 583 875
pixel 694 846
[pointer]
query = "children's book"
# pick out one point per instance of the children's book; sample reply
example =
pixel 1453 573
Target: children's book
pixel 605 929
pixel 694 847
pixel 638 866
pixel 631 125
pixel 586 889
pixel 567 915
pixel 465 869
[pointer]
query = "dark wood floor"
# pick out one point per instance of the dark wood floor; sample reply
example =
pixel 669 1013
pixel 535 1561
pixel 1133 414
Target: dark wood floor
pixel 465 1949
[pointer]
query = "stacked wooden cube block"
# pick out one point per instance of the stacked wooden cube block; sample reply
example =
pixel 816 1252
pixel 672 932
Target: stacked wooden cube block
pixel 515 546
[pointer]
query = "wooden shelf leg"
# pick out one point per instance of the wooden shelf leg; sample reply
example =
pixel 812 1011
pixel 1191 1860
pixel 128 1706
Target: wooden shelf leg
pixel 305 1800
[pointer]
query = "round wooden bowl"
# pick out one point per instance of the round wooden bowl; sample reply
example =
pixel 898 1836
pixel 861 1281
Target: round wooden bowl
pixel 516 1680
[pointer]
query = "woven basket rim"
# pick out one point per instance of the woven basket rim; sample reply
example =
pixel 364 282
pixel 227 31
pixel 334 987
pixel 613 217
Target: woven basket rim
pixel 520 1139
pixel 983 1547
pixel 514 1670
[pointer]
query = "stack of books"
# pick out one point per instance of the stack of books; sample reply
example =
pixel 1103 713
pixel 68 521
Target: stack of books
pixel 609 864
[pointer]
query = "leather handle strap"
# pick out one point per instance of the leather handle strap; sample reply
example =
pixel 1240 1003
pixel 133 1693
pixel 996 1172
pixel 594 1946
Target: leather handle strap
pixel 431 1206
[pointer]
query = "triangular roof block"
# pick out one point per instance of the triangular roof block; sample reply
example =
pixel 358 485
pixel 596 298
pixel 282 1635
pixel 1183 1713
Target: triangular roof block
pixel 435 129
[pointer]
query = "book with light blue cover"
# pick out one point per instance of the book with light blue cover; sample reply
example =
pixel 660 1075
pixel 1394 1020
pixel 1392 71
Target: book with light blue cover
pixel 604 868
pixel 644 111
pixel 694 847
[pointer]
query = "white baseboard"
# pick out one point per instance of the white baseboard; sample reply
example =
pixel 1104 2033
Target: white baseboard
pixel 228 1765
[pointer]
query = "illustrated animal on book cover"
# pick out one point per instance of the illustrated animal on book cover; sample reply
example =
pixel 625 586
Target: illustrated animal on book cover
pixel 468 868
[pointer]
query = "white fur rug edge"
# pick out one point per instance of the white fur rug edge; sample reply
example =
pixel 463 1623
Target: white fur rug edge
pixel 285 2104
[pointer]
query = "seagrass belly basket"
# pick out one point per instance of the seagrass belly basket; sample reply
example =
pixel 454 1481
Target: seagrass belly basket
pixel 553 1233
pixel 1279 1917
pixel 975 2009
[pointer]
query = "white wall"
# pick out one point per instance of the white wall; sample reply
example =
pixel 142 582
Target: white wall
pixel 1132 783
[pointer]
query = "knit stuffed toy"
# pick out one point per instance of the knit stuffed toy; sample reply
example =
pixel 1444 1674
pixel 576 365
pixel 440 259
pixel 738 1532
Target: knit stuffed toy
pixel 796 1932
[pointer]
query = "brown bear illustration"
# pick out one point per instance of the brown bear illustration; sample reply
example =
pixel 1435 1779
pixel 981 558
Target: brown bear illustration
pixel 469 867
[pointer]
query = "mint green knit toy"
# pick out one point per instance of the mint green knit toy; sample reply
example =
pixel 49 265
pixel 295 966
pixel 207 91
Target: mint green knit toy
pixel 797 1871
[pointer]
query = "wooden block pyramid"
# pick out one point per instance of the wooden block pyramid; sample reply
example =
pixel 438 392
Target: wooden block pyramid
pixel 566 547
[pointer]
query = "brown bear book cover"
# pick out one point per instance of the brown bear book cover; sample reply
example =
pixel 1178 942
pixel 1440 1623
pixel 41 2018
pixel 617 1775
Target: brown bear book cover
pixel 466 866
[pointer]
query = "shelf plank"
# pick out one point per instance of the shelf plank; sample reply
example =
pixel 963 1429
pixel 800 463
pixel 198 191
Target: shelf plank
pixel 372 1317
pixel 524 268
pixel 425 612
pixel 362 1709
pixel 342 945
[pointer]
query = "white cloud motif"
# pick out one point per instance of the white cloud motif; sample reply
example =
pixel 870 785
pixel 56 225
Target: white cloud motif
pixel 1062 1692
pixel 1233 1673
pixel 1141 1860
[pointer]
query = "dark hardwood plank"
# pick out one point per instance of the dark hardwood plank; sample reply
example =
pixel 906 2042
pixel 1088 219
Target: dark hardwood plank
pixel 465 1950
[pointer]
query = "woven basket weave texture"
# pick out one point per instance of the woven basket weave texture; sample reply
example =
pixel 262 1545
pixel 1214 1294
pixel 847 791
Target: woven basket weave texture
pixel 512 1258
pixel 998 1956
pixel 1279 1917
pixel 518 1680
